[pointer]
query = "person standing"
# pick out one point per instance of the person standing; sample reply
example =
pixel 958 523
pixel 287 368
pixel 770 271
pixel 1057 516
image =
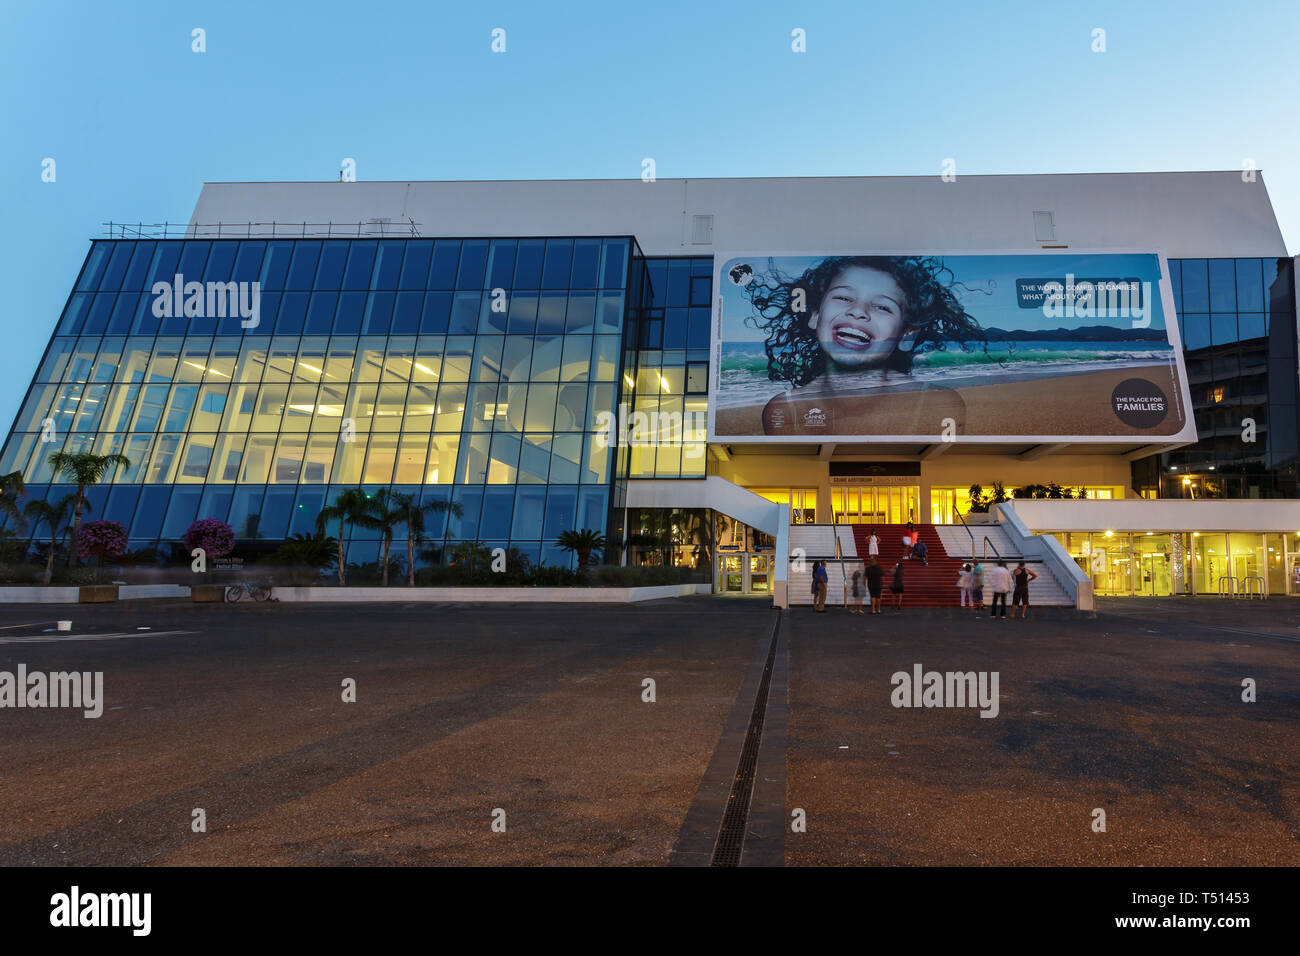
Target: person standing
pixel 821 578
pixel 908 537
pixel 977 581
pixel 873 545
pixel 999 579
pixel 855 607
pixel 898 585
pixel 875 583
pixel 964 578
pixel 1020 594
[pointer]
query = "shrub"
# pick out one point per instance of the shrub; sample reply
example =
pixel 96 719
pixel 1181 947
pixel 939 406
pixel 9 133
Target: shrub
pixel 101 539
pixel 213 535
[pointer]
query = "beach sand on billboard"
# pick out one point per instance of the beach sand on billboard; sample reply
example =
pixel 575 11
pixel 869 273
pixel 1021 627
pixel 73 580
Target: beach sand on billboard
pixel 1076 404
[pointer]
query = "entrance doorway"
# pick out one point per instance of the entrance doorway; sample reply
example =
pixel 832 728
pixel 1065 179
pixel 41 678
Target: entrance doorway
pixel 745 572
pixel 875 504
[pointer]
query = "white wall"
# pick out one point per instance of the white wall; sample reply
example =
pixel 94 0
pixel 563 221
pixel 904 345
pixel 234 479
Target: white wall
pixel 1160 514
pixel 1183 214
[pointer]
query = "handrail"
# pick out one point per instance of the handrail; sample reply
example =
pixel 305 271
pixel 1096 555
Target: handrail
pixel 839 557
pixel 1232 586
pixel 987 542
pixel 1263 591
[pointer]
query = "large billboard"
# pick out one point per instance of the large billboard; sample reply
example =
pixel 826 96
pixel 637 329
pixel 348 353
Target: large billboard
pixel 1042 347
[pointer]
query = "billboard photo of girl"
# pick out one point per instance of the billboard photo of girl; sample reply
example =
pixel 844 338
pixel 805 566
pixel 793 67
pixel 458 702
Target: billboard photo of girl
pixel 842 338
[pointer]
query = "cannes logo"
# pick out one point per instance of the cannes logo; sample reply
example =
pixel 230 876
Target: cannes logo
pixel 211 300
pixel 950 689
pixel 56 689
pixel 75 908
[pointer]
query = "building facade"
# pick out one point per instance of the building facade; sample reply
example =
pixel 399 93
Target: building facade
pixel 488 343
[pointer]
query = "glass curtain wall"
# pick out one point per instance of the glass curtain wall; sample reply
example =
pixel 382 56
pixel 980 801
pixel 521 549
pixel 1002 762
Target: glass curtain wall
pixel 467 370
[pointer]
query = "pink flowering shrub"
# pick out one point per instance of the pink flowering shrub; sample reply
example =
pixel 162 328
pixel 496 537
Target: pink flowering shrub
pixel 101 539
pixel 213 535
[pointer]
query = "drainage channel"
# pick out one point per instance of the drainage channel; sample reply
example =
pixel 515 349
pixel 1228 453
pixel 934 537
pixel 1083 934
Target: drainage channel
pixel 731 835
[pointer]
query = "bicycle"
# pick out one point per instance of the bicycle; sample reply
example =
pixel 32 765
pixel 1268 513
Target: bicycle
pixel 255 592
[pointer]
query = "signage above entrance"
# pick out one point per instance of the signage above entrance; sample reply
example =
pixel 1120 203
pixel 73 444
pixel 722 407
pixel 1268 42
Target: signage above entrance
pixel 888 347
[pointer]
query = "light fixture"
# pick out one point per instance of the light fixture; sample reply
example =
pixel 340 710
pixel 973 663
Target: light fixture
pixel 1110 534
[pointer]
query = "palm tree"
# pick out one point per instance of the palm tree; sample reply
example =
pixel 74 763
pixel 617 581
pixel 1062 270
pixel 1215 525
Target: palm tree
pixel 384 514
pixel 56 516
pixel 11 489
pixel 582 543
pixel 84 468
pixel 350 507
pixel 413 515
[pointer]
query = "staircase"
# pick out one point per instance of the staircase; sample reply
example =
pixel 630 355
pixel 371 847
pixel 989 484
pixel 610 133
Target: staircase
pixel 933 586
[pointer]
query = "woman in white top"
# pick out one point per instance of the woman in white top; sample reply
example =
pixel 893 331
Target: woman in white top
pixel 873 544
pixel 966 583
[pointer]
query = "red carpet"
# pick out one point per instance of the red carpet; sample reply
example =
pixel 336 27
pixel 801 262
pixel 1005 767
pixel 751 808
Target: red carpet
pixel 933 586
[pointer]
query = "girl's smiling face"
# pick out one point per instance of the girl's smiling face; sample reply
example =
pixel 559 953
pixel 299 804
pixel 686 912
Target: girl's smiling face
pixel 861 319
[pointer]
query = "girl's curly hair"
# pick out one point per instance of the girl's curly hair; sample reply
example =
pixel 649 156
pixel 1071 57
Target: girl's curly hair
pixel 932 313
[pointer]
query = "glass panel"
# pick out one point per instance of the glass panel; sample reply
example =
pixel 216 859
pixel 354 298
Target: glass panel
pixel 451 408
pixel 487 358
pixel 252 361
pixel 370 362
pixel 282 359
pixel 342 355
pixel 270 407
pixel 361 259
pixel 333 257
pixel 397 362
pixel 299 408
pixel 360 408
pixel 288 459
pixel 457 359
pixel 410 458
pixel 348 459
pixel 421 404
pixel 257 459
pixel 320 455
pixel 196 459
pixel 547 356
pixel 245 511
pixel 428 359
pixel 227 453
pixel 441 466
pixel 446 259
pixel 390 408
pixel 540 413
pixel 504 459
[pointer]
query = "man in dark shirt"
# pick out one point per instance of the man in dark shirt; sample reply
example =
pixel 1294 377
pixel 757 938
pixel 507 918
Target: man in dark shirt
pixel 875 583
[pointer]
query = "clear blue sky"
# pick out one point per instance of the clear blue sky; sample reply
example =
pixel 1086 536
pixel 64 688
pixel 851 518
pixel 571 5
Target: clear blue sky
pixel 136 121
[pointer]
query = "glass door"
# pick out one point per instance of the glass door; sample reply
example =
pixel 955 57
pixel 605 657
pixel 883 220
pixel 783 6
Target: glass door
pixel 760 574
pixel 731 573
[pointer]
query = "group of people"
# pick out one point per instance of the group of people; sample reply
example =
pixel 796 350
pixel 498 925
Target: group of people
pixel 870 583
pixel 972 580
pixel 1000 581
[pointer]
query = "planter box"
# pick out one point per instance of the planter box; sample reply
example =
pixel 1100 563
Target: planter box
pixel 207 593
pixel 97 593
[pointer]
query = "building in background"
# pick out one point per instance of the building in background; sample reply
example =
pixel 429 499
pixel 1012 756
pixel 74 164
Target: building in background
pixel 487 342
